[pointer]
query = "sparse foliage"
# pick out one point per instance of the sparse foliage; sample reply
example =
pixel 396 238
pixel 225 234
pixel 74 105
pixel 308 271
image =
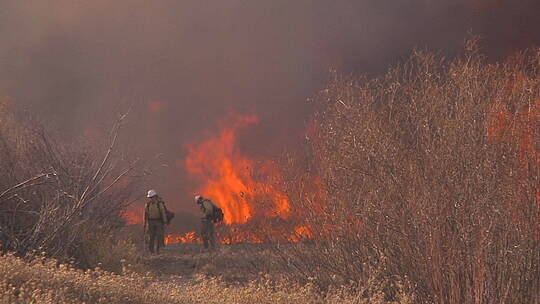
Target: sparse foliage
pixel 430 176
pixel 52 193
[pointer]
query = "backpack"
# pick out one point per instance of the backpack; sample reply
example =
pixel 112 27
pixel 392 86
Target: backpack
pixel 217 214
pixel 168 214
pixel 152 211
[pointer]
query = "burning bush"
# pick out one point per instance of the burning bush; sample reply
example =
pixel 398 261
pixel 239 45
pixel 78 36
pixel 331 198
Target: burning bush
pixel 57 196
pixel 430 175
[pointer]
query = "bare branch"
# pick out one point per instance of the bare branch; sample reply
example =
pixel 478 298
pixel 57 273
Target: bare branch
pixel 26 183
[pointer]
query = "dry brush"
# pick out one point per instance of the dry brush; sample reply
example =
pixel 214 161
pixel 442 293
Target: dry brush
pixel 56 195
pixel 431 178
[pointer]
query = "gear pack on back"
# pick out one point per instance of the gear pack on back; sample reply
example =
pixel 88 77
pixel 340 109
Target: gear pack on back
pixel 217 214
pixel 169 215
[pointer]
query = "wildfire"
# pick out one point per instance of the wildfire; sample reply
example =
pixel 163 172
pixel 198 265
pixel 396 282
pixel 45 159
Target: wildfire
pixel 245 188
pixel 229 177
pixel 237 235
pixel 134 215
pixel 301 233
pixel 189 237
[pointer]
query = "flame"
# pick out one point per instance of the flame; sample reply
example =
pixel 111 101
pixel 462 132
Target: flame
pixel 134 215
pixel 247 190
pixel 229 177
pixel 188 237
pixel 257 211
pixel 237 235
pixel 303 232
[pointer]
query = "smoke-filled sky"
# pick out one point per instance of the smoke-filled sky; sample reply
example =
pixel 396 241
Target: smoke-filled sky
pixel 185 64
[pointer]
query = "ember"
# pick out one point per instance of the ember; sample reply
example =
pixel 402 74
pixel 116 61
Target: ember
pixel 189 237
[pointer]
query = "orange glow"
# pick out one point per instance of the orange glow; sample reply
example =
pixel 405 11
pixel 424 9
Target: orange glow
pixel 156 106
pixel 255 211
pixel 524 124
pixel 499 123
pixel 524 132
pixel 189 237
pixel 242 236
pixel 134 215
pixel 303 232
pixel 228 176
pixel 247 190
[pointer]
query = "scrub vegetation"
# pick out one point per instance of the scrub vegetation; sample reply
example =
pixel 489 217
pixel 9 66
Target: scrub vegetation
pixel 427 191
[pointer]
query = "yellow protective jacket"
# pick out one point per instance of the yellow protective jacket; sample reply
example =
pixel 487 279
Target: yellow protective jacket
pixel 155 210
pixel 207 208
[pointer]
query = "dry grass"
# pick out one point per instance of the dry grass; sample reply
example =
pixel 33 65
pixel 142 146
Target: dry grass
pixel 56 194
pixel 427 184
pixel 430 175
pixel 43 280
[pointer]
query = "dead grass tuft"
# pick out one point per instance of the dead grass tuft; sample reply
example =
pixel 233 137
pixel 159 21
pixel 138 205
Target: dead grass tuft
pixel 44 281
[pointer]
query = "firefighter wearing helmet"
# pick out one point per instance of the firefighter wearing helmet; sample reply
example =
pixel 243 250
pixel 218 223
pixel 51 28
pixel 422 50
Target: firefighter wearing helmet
pixel 155 218
pixel 211 215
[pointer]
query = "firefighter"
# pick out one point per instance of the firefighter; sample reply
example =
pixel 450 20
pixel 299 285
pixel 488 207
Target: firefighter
pixel 208 231
pixel 155 219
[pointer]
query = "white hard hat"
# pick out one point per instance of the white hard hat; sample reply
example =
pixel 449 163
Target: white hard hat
pixel 198 198
pixel 151 193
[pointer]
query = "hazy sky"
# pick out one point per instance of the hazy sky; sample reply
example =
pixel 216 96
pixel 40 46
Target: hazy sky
pixel 186 63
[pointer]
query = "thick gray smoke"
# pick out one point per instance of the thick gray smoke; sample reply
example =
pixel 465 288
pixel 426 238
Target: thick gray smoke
pixel 185 64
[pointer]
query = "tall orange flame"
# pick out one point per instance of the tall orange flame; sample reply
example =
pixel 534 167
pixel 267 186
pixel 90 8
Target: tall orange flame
pixel 228 176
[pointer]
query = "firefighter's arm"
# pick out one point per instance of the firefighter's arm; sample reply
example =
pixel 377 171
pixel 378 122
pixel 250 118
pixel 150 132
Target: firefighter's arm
pixel 145 217
pixel 208 209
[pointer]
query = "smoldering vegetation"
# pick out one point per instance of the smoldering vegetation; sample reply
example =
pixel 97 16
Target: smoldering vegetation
pixel 431 181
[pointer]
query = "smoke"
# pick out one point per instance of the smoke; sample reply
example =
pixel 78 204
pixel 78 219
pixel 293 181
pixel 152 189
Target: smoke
pixel 185 64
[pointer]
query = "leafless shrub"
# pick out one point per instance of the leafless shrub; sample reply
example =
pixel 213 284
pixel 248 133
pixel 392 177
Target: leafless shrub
pixel 53 193
pixel 430 175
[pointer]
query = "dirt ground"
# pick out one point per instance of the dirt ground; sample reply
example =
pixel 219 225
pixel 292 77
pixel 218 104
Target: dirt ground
pixel 237 263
